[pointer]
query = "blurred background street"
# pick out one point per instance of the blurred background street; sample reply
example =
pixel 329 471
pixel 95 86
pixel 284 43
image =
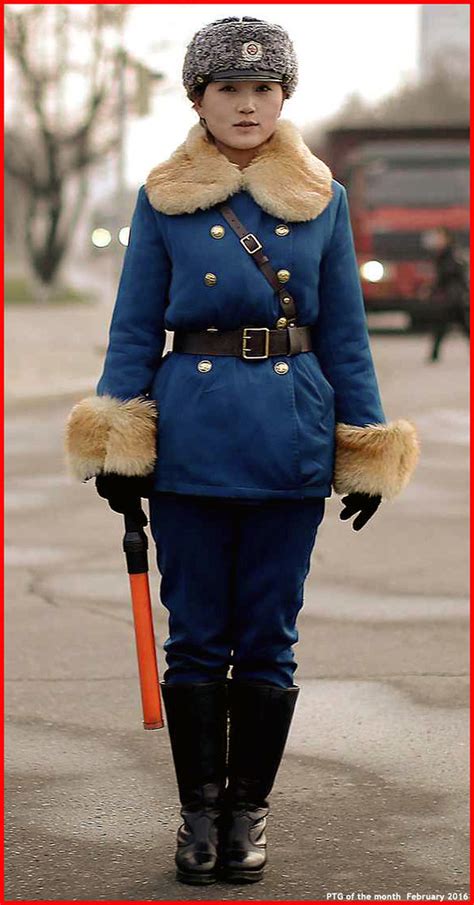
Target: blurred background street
pixel 377 760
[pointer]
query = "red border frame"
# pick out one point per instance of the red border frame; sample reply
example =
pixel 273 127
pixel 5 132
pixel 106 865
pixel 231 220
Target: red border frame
pixel 206 901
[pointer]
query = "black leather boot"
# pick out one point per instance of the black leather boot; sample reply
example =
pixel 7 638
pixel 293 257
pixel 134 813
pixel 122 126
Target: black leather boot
pixel 260 718
pixel 197 723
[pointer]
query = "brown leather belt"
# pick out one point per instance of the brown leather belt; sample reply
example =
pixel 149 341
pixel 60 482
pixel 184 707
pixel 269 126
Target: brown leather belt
pixel 250 343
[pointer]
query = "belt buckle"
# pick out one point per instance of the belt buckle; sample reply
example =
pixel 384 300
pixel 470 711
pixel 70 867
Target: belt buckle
pixel 250 236
pixel 245 337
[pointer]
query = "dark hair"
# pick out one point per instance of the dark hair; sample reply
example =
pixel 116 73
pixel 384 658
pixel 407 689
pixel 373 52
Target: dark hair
pixel 198 92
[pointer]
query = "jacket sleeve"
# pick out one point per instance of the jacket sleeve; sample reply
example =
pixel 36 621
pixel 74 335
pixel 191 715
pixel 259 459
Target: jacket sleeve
pixel 115 431
pixel 371 455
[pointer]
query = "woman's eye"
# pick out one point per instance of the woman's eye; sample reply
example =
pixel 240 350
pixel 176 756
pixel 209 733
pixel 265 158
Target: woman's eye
pixel 231 88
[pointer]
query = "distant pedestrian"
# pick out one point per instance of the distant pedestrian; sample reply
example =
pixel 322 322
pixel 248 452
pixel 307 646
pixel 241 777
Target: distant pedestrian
pixel 449 294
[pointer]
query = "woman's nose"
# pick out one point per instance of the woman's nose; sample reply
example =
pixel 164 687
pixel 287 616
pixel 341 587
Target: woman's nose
pixel 246 106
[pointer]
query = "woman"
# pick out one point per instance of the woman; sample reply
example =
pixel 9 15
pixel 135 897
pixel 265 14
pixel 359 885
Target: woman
pixel 267 400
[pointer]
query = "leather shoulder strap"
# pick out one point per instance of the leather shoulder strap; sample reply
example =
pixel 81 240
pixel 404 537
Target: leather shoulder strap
pixel 252 245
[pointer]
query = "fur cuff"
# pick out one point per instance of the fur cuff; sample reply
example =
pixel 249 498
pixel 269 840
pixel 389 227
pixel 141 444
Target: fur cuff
pixel 104 434
pixel 375 459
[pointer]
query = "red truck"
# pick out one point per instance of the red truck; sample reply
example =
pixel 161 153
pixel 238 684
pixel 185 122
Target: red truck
pixel 401 183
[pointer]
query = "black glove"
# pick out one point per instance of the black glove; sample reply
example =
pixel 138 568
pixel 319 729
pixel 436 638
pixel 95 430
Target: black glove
pixel 363 503
pixel 124 493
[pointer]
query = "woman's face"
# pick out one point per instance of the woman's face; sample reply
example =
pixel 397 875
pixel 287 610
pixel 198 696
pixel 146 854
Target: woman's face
pixel 440 239
pixel 226 104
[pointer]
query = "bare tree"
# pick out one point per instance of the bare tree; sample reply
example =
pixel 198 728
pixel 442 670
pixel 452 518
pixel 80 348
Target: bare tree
pixel 71 82
pixel 441 98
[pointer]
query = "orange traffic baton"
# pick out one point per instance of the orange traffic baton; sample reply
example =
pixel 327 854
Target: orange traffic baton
pixel 135 545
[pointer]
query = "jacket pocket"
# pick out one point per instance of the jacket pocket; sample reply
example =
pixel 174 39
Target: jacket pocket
pixel 314 401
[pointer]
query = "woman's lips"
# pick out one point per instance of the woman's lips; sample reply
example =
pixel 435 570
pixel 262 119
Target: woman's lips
pixel 249 126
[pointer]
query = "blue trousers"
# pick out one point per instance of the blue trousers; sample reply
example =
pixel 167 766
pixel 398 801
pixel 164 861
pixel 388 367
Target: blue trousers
pixel 232 576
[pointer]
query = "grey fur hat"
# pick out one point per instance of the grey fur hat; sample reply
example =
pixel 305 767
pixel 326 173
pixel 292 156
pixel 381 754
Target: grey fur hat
pixel 245 48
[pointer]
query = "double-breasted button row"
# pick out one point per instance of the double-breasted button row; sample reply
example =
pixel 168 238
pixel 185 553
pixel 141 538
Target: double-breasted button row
pixel 280 367
pixel 283 275
pixel 218 231
pixel 210 279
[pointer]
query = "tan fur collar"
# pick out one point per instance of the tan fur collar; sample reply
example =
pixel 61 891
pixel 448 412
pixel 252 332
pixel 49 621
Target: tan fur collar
pixel 284 178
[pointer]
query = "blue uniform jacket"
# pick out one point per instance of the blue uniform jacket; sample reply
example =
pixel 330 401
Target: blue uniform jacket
pixel 241 428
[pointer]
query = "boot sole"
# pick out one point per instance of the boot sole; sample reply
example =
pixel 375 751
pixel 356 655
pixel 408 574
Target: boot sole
pixel 196 879
pixel 234 875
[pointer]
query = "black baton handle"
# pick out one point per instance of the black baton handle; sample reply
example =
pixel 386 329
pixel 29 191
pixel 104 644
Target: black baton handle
pixel 135 546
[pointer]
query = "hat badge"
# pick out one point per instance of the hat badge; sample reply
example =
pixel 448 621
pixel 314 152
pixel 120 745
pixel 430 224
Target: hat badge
pixel 252 50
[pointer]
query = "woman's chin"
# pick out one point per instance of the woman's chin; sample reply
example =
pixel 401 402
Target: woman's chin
pixel 244 138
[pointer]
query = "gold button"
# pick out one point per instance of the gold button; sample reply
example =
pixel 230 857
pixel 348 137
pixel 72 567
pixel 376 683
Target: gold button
pixel 217 231
pixel 281 367
pixel 210 279
pixel 282 229
pixel 283 275
pixel 281 322
pixel 204 366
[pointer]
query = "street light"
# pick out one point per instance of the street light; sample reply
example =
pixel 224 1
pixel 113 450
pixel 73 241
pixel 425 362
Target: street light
pixel 124 235
pixel 101 237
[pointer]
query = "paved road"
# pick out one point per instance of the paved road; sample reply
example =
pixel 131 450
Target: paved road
pixel 372 795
